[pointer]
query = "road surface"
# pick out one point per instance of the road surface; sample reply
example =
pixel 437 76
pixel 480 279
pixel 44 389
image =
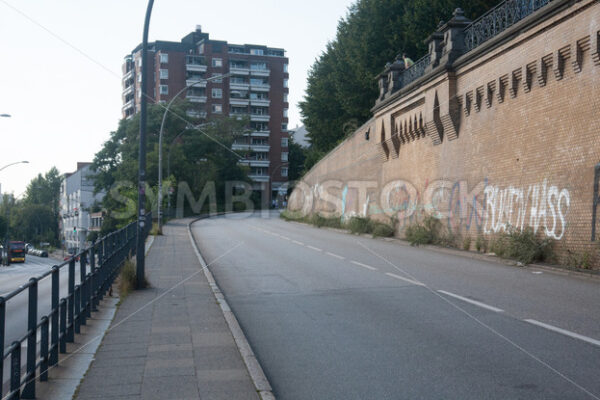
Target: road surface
pixel 337 316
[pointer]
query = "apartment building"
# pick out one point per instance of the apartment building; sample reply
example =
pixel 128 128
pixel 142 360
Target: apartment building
pixel 256 86
pixel 76 198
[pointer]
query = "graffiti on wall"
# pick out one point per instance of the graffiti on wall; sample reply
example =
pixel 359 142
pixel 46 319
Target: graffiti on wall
pixel 481 208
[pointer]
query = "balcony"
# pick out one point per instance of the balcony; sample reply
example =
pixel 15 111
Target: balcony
pixel 196 99
pixel 238 86
pixel 259 178
pixel 197 81
pixel 260 72
pixel 262 134
pixel 128 90
pixel 195 114
pixel 256 163
pixel 260 117
pixel 238 102
pixel 265 87
pixel 253 147
pixel 260 102
pixel 128 74
pixel 195 63
pixel 129 104
pixel 239 71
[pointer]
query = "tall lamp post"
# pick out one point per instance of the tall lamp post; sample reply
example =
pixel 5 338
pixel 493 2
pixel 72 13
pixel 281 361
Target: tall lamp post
pixel 160 140
pixel 6 247
pixel 140 257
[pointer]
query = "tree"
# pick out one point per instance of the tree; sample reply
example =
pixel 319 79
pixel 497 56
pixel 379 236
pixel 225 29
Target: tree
pixel 341 87
pixel 197 157
pixel 297 157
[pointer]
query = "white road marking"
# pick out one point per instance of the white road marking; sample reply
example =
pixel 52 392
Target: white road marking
pixel 474 302
pixel 314 248
pixel 285 237
pixel 537 272
pixel 297 242
pixel 363 265
pixel 564 332
pixel 404 279
pixel 335 255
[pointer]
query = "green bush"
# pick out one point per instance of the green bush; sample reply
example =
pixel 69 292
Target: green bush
pixel 524 246
pixel 359 225
pixel 467 243
pixel 418 234
pixel 426 233
pixel 481 244
pixel 382 230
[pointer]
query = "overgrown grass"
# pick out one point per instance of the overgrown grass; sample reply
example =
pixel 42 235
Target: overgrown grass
pixel 128 279
pixel 155 231
pixel 426 232
pixel 524 246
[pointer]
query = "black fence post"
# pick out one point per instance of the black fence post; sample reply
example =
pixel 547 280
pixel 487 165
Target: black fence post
pixel 77 311
pixel 44 353
pixel 63 326
pixel 93 278
pixel 82 290
pixel 71 305
pixel 29 389
pixel 2 327
pixel 15 371
pixel 55 316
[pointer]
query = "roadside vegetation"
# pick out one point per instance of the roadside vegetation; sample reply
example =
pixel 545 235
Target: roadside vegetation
pixel 356 225
pixel 127 280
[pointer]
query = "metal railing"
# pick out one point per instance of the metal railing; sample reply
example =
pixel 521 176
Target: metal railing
pixel 67 314
pixel 498 19
pixel 415 71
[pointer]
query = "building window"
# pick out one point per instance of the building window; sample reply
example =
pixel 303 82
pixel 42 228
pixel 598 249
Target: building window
pixel 285 97
pixel 164 89
pixel 140 78
pixel 284 156
pixel 285 113
pixel 284 127
pixel 285 83
pixel 257 52
pixel 217 108
pixel 164 58
pixel 164 73
pixel 217 62
pixel 217 93
pixel 219 80
pixel 284 172
pixel 284 142
pixel 285 68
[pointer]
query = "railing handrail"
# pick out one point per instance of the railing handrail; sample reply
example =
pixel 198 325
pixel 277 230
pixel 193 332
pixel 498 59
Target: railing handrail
pixel 507 10
pixel 67 314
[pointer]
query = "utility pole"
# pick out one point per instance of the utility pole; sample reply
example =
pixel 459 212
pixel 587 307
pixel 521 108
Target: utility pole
pixel 140 256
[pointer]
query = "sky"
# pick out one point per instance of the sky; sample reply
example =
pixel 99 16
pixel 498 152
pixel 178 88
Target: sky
pixel 60 70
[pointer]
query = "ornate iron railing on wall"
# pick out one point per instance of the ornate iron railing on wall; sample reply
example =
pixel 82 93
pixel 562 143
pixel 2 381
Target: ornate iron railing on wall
pixel 70 306
pixel 415 71
pixel 498 19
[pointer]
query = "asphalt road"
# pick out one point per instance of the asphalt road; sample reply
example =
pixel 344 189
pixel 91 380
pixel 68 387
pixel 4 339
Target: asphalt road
pixel 336 316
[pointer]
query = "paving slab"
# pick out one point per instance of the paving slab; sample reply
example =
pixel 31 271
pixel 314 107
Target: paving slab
pixel 170 340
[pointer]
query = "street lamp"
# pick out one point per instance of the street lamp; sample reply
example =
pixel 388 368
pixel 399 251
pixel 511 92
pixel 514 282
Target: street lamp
pixel 17 162
pixel 160 139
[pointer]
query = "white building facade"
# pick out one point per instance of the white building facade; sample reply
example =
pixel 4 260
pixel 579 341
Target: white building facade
pixel 76 199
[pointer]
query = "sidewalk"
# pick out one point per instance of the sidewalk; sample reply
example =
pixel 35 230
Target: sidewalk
pixel 177 346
